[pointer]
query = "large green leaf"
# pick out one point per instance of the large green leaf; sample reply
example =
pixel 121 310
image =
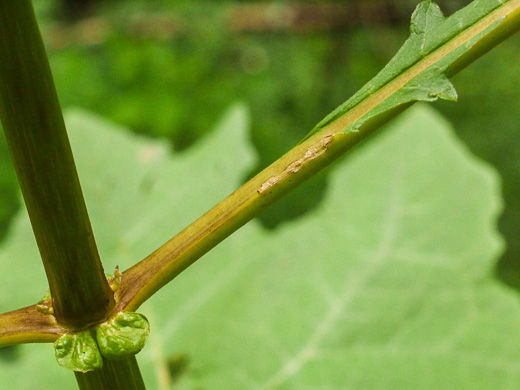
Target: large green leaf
pixel 388 285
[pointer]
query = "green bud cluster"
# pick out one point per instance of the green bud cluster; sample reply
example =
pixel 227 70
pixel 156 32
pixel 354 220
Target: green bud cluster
pixel 121 336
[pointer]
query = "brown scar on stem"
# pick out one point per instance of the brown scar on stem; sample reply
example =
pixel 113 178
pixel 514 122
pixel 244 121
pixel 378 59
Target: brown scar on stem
pixel 312 153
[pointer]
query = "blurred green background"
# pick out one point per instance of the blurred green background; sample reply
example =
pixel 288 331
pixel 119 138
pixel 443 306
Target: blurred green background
pixel 169 68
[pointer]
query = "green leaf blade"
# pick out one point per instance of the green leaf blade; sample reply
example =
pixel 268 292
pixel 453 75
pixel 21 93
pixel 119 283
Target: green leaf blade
pixel 387 286
pixel 381 288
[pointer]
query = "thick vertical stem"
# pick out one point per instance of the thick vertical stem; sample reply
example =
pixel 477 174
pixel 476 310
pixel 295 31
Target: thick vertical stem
pixel 116 374
pixel 33 123
pixel 37 138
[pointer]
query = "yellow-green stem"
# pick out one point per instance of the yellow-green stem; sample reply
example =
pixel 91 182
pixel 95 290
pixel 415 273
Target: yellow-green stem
pixel 305 160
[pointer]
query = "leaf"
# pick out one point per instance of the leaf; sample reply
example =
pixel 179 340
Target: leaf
pixel 387 286
pixel 125 186
pixel 123 335
pixel 78 351
pixel 429 30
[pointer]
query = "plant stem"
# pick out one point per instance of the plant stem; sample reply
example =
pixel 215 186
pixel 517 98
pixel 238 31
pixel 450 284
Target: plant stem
pixel 37 138
pixel 115 374
pixel 27 325
pixel 306 159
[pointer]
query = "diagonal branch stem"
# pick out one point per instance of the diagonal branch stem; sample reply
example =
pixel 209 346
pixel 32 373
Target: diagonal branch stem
pixel 315 153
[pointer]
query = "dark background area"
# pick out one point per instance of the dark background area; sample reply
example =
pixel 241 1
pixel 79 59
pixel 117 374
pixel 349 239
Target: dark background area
pixel 168 68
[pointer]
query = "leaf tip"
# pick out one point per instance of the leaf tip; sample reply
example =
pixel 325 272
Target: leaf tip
pixel 427 15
